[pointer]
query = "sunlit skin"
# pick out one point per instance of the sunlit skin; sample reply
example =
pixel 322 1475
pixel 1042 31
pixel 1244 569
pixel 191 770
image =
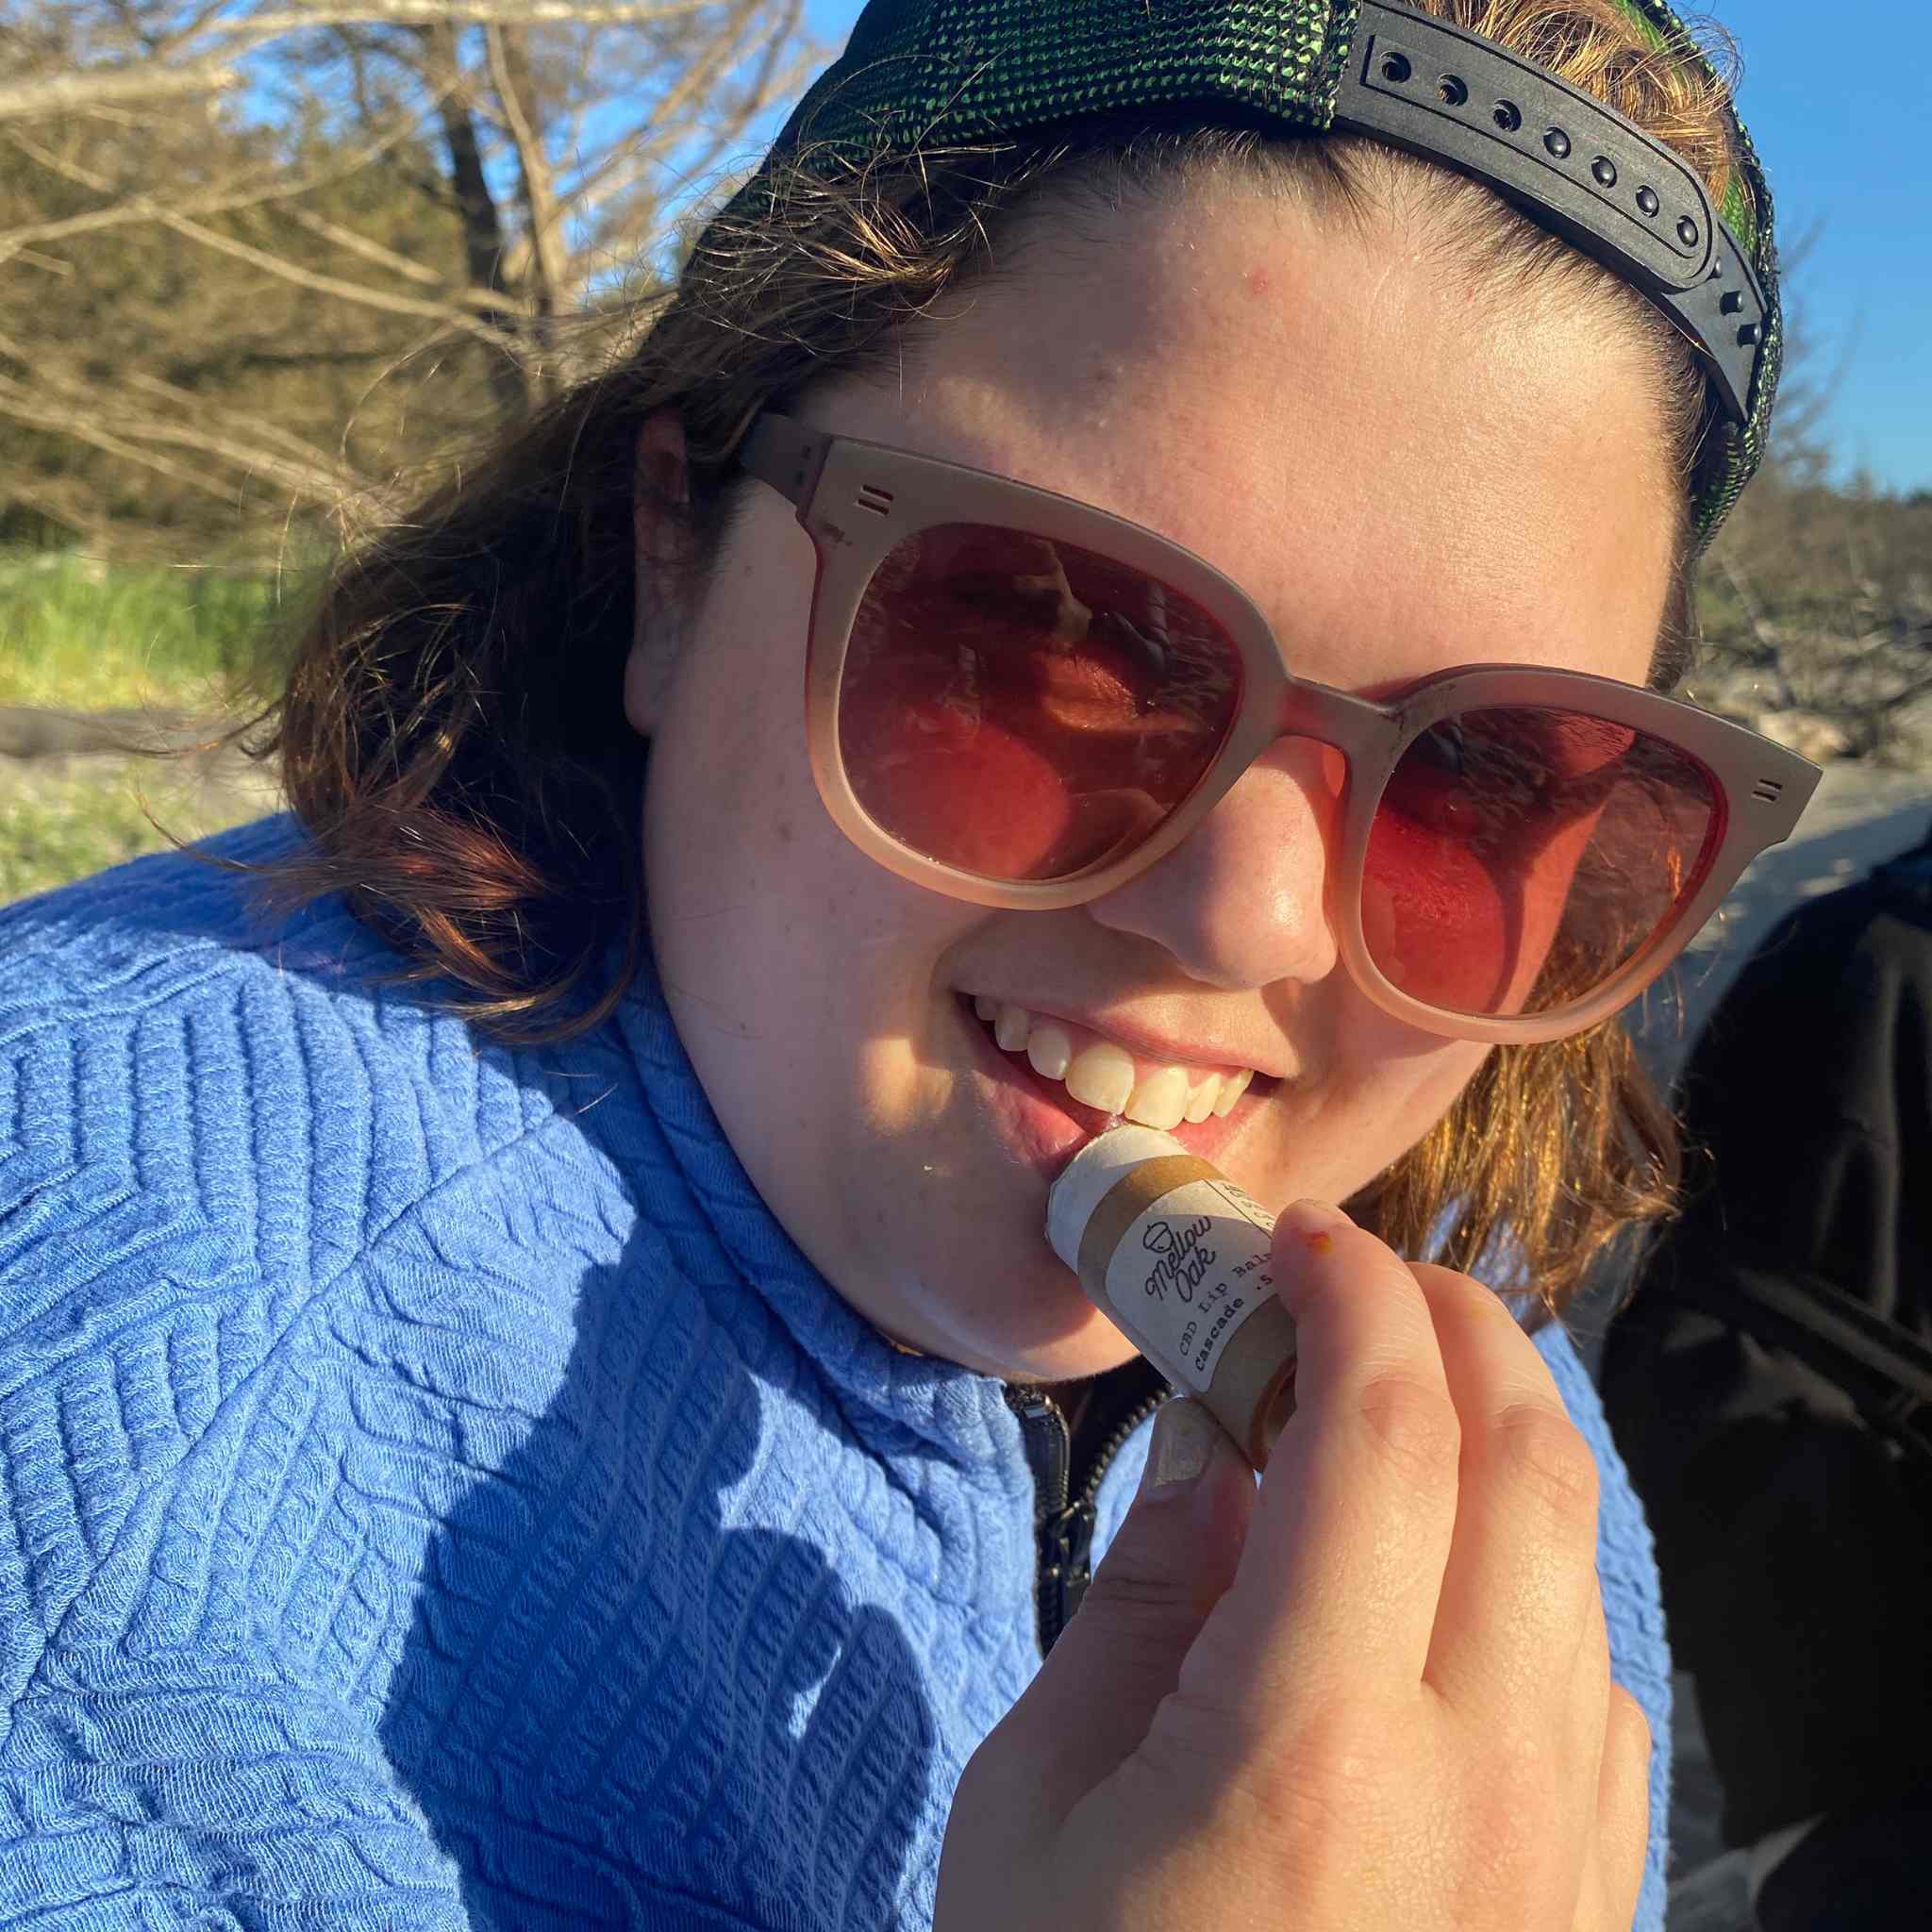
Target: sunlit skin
pixel 1401 477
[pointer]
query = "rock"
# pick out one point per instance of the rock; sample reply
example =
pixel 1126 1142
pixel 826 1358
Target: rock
pixel 1810 734
pixel 1741 695
pixel 1908 740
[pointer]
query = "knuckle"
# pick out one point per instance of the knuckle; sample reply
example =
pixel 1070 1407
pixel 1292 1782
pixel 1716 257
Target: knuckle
pixel 986 1781
pixel 1132 1597
pixel 1631 1720
pixel 1512 1794
pixel 1542 1451
pixel 1145 1609
pixel 1315 1777
pixel 1466 1303
pixel 1415 1426
pixel 1434 1279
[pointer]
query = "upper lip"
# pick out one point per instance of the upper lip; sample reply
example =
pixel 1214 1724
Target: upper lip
pixel 1199 1051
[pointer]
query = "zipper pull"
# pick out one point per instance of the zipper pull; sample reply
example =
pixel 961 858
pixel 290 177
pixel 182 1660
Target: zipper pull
pixel 1066 1544
pixel 1049 1447
pixel 1044 1431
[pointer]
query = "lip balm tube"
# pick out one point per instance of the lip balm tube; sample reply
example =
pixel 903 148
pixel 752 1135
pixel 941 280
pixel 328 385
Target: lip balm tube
pixel 1178 1259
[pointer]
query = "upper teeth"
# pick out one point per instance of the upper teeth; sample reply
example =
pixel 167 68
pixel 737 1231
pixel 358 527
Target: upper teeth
pixel 1157 1094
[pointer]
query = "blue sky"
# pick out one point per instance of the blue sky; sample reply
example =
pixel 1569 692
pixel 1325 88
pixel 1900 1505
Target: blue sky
pixel 1846 143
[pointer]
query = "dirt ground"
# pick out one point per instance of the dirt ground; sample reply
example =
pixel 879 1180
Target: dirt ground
pixel 68 808
pixel 222 785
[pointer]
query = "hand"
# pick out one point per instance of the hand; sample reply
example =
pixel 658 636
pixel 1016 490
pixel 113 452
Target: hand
pixel 1372 1693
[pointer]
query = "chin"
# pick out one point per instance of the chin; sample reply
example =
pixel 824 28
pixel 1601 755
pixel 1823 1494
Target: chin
pixel 1072 1355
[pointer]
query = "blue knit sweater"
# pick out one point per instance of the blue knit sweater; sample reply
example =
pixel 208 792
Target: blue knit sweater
pixel 438 1494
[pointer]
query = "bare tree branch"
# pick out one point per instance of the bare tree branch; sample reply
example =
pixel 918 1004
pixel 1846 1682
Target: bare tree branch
pixel 475 13
pixel 545 231
pixel 298 468
pixel 372 170
pixel 387 257
pixel 446 312
pixel 17 400
pixel 141 208
pixel 61 94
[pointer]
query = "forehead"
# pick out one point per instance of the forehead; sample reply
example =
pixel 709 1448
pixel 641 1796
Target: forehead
pixel 1403 472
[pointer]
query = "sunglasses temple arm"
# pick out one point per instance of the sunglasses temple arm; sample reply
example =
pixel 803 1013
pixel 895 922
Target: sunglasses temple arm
pixel 786 455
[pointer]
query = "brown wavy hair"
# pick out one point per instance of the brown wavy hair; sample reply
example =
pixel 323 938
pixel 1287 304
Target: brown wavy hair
pixel 449 724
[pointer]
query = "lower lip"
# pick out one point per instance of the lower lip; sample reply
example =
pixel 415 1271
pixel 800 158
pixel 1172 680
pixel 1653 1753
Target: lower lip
pixel 1044 1126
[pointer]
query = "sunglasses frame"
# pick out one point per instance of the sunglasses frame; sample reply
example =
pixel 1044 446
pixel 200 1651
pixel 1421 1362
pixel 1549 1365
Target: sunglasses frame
pixel 857 501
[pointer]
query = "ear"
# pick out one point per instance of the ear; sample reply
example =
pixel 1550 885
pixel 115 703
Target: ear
pixel 660 493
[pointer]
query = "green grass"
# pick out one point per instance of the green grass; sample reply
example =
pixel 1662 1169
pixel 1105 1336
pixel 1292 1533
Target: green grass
pixel 79 635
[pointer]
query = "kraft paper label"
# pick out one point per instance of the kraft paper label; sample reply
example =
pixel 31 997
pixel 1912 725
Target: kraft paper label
pixel 1187 1271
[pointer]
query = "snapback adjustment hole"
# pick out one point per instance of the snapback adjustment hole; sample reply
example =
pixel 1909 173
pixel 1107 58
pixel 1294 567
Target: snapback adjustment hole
pixel 1508 116
pixel 1451 90
pixel 1395 68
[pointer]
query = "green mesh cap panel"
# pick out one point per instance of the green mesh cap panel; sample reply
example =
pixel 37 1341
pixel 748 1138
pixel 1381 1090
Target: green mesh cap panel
pixel 936 73
pixel 1747 213
pixel 928 74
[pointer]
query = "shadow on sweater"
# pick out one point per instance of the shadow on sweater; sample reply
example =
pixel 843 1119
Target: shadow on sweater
pixel 615 1711
pixel 617 1703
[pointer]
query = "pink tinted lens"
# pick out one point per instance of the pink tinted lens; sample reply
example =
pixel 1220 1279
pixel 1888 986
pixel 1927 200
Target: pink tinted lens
pixel 1519 857
pixel 1026 710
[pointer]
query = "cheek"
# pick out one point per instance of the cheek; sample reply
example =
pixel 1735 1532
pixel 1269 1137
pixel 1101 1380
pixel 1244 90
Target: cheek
pixel 753 884
pixel 1391 1081
pixel 729 775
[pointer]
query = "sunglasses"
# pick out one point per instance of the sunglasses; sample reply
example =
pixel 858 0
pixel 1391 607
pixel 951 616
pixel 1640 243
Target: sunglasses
pixel 1021 701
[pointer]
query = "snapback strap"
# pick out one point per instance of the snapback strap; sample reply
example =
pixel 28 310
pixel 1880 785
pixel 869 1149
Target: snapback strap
pixel 1574 165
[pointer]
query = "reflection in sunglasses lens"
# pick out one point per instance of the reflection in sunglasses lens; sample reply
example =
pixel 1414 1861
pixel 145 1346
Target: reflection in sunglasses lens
pixel 1519 857
pixel 1020 709
pixel 1026 710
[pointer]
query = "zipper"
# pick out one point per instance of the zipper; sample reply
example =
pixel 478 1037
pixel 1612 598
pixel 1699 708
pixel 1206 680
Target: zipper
pixel 1064 1510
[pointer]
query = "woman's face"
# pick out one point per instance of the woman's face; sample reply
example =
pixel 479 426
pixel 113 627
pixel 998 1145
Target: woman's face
pixel 1402 477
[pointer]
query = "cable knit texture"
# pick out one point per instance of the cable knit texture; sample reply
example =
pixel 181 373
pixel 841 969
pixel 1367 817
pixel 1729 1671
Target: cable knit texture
pixel 438 1494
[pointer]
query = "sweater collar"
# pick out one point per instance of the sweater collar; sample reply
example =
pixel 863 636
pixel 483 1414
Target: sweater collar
pixel 899 1400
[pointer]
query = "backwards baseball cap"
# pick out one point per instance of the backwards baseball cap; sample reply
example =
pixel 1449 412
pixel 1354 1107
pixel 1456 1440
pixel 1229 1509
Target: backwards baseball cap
pixel 919 75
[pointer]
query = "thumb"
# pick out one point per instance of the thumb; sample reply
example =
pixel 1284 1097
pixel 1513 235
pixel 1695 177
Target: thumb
pixel 1174 1555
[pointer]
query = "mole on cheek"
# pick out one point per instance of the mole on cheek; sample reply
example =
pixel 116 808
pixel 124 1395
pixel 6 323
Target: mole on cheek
pixel 1257 280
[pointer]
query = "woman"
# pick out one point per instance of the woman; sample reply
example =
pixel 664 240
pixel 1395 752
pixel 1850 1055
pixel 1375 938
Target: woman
pixel 603 1440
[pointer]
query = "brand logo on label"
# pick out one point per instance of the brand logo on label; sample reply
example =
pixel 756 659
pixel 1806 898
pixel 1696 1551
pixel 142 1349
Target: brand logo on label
pixel 1182 1258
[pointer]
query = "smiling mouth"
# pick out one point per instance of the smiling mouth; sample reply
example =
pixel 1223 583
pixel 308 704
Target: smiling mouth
pixel 1097 1075
pixel 1053 1093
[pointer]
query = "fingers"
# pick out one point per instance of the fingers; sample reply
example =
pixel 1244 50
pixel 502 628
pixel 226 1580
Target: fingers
pixel 1623 1803
pixel 1520 1647
pixel 1520 1585
pixel 1094 1697
pixel 1337 1591
pixel 1590 1703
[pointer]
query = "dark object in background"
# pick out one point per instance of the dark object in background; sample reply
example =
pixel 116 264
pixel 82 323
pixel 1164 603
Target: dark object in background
pixel 1770 1386
pixel 1854 1874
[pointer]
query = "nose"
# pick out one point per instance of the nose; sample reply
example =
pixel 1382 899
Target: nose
pixel 1240 903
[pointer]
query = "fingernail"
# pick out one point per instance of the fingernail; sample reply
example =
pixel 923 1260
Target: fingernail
pixel 1315 1223
pixel 1185 1433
